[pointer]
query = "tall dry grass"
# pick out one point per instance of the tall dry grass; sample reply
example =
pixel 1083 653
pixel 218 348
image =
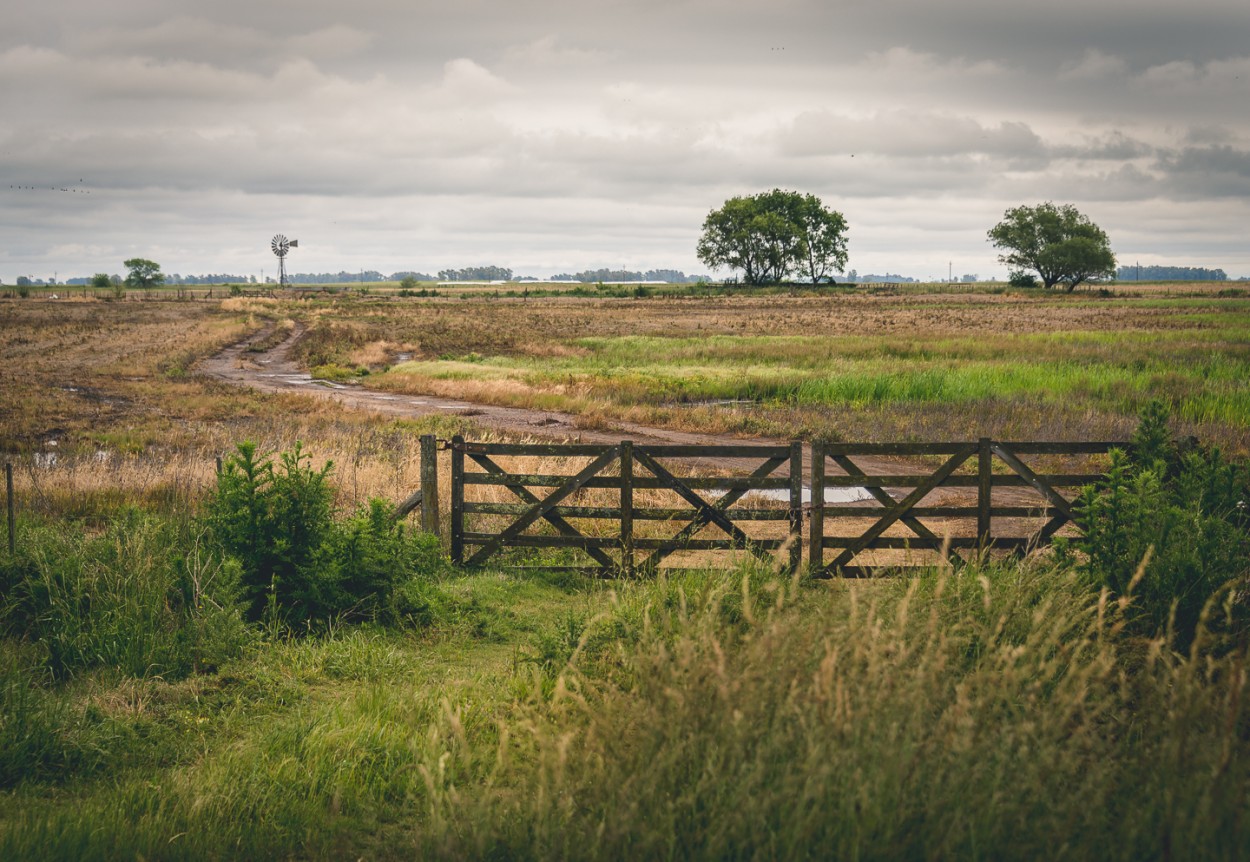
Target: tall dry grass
pixel 990 714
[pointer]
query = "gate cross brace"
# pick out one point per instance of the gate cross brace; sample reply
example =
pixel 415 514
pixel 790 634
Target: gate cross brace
pixel 852 469
pixel 565 528
pixel 541 509
pixel 904 506
pixel 706 512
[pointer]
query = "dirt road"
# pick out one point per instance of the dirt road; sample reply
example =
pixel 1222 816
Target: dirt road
pixel 274 371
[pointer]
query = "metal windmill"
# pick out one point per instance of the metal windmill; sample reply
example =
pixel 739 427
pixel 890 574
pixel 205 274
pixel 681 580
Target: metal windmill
pixel 281 245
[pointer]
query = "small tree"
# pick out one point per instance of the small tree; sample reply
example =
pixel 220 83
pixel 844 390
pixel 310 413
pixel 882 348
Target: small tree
pixel 1057 242
pixel 143 273
pixel 770 235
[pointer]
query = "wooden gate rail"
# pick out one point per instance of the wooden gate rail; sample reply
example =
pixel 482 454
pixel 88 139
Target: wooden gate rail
pixel 904 505
pixel 700 513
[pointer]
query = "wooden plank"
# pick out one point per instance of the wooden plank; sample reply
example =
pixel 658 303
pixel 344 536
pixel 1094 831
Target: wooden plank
pixel 627 506
pixel 731 451
pixel 1062 448
pixel 894 448
pixel 639 514
pixel 985 491
pixel 1039 511
pixel 429 483
pixel 586 543
pixel 540 509
pixel 409 503
pixel 708 513
pixel 705 544
pixel 816 524
pixel 553 518
pixel 911 480
pixel 796 506
pixel 1024 447
pixel 915 543
pixel 457 499
pixel 713 483
pixel 900 509
pixel 559 450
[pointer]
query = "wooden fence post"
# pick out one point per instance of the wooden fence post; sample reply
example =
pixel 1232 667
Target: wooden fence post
pixel 12 507
pixel 429 483
pixel 457 500
pixel 816 526
pixel 627 507
pixel 985 486
pixel 796 505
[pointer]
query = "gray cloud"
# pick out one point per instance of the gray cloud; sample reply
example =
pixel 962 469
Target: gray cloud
pixel 567 134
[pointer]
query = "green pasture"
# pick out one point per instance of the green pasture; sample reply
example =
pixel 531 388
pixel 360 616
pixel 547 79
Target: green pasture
pixel 1198 361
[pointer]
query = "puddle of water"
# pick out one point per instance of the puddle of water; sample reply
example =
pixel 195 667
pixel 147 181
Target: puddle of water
pixel 832 495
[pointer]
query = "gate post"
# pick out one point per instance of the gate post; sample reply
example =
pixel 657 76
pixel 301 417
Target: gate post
pixel 816 525
pixel 796 505
pixel 457 500
pixel 985 486
pixel 429 484
pixel 627 507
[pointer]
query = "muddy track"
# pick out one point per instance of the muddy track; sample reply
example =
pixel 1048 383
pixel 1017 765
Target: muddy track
pixel 273 370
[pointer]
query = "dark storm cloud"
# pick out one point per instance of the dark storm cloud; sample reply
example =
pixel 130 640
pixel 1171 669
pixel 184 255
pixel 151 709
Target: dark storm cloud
pixel 562 134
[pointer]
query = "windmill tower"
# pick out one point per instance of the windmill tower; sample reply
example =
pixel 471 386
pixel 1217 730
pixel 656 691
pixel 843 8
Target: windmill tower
pixel 281 245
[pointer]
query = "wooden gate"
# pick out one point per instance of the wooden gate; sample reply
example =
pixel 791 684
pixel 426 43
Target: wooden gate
pixel 961 524
pixel 579 509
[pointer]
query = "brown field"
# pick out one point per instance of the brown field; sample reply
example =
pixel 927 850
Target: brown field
pixel 100 401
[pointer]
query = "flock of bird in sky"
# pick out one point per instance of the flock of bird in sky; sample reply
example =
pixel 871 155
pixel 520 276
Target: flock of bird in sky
pixel 50 188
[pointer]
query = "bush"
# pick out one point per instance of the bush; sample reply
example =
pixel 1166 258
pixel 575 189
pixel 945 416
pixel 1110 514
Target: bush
pixel 1168 525
pixel 300 565
pixel 275 521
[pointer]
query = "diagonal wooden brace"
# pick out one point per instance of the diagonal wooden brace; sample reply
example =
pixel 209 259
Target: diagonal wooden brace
pixel 1056 499
pixel 904 506
pixel 852 469
pixel 541 509
pixel 563 526
pixel 706 513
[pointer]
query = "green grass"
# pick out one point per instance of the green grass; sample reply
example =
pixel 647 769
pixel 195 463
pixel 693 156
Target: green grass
pixel 729 715
pixel 1203 369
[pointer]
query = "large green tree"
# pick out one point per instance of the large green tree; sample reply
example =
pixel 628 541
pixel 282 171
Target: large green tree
pixel 143 273
pixel 774 234
pixel 1057 242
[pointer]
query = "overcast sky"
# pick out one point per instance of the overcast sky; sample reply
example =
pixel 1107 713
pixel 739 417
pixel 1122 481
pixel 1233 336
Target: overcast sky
pixel 552 136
